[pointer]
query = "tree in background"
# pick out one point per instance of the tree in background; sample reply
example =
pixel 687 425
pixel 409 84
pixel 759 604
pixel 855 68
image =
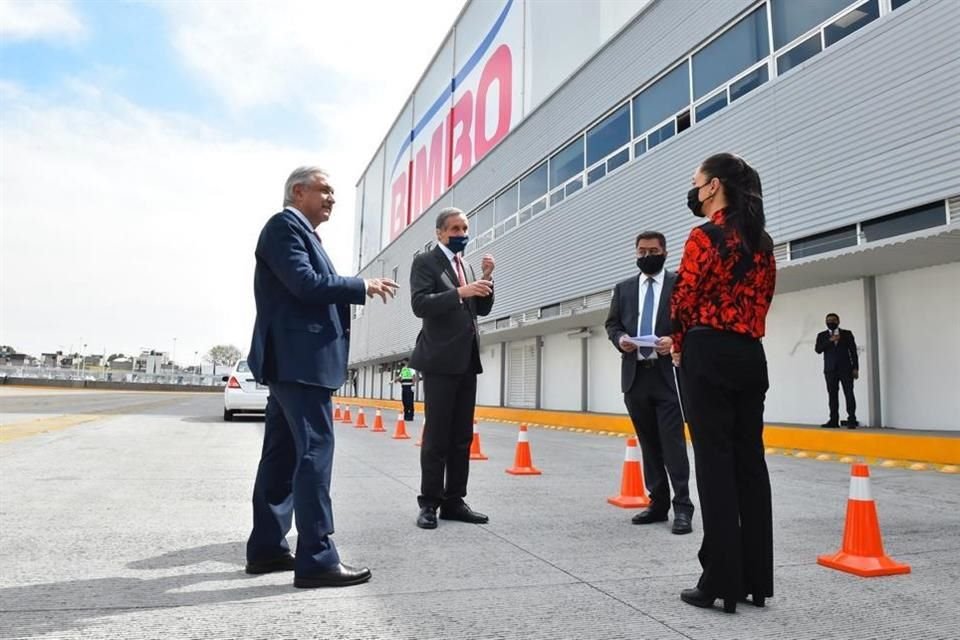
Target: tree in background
pixel 222 354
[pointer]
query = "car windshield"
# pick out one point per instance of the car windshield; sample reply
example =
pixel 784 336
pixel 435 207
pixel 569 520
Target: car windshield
pixel 242 367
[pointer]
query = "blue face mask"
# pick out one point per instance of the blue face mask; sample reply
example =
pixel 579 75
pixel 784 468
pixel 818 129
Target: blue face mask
pixel 457 243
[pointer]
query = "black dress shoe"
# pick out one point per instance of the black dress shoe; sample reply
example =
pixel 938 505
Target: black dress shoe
pixel 681 524
pixel 649 515
pixel 463 513
pixel 850 424
pixel 757 601
pixel 340 575
pixel 280 563
pixel 698 598
pixel 829 425
pixel 427 518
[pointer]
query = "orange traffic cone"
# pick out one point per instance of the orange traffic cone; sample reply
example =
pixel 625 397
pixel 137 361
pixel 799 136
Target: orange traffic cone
pixel 632 493
pixel 378 423
pixel 346 416
pixel 400 433
pixel 337 415
pixel 862 550
pixel 423 427
pixel 361 422
pixel 475 452
pixel 522 463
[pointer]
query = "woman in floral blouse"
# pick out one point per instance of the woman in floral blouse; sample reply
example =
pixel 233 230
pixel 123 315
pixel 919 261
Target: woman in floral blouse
pixel 719 307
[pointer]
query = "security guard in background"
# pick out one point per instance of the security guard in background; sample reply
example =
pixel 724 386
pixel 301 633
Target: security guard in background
pixel 406 386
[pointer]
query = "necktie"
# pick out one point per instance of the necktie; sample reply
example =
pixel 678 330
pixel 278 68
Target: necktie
pixel 460 276
pixel 646 318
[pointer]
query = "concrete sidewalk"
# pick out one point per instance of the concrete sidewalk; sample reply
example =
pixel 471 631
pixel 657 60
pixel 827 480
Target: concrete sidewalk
pixel 134 527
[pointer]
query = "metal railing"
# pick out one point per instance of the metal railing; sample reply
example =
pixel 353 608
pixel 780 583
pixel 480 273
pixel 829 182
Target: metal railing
pixel 106 375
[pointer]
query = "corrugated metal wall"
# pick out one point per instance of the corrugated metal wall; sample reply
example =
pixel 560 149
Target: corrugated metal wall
pixel 868 127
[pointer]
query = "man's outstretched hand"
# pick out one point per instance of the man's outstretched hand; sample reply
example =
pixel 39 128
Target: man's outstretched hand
pixel 382 287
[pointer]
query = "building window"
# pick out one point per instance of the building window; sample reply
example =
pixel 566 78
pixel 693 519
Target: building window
pixel 618 159
pixel 850 22
pixel 608 135
pixel 482 219
pixel 551 311
pixel 896 4
pixel 823 242
pixel 533 185
pixel 505 204
pixel 710 106
pixel 791 19
pixel 748 83
pixel 895 224
pixel 663 133
pixel 566 163
pixel 799 54
pixel 502 323
pixel 737 49
pixel 662 99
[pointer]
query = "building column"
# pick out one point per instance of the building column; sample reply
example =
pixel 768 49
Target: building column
pixel 585 370
pixel 503 372
pixel 872 352
pixel 539 369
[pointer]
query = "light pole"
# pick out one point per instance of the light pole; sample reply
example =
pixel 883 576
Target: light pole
pixel 83 359
pixel 173 360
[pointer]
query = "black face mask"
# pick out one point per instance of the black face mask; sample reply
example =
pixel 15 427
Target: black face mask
pixel 833 326
pixel 693 202
pixel 651 264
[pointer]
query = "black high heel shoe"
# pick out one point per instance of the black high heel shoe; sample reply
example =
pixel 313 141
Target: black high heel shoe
pixel 698 598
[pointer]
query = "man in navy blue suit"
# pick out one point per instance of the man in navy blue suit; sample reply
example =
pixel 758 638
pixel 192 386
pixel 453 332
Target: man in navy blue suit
pixel 299 348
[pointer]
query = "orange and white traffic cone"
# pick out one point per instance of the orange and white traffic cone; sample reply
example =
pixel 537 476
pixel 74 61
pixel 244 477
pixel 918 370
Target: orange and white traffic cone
pixel 423 427
pixel 862 550
pixel 361 422
pixel 378 423
pixel 346 416
pixel 475 452
pixel 632 492
pixel 522 462
pixel 337 415
pixel 400 433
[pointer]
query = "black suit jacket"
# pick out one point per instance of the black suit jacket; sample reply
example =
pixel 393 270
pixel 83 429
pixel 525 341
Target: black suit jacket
pixel 447 343
pixel 624 319
pixel 840 358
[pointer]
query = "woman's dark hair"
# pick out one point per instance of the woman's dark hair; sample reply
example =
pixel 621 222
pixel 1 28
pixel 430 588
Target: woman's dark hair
pixel 741 184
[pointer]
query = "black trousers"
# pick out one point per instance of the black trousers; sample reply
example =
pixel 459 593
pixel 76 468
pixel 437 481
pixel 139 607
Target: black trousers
pixel 834 380
pixel 449 401
pixel 406 393
pixel 724 383
pixel 655 412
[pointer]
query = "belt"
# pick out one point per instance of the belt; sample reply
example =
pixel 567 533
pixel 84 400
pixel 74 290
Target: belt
pixel 647 363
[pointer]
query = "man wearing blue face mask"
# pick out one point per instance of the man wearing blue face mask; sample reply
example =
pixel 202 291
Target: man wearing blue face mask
pixel 445 293
pixel 641 307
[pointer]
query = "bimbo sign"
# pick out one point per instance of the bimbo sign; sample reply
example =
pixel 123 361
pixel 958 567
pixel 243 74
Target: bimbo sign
pixel 472 115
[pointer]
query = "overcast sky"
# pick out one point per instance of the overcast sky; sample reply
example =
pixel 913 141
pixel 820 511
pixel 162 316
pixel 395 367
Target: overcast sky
pixel 144 144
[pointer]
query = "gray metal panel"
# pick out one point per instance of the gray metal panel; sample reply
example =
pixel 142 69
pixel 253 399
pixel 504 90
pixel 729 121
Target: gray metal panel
pixel 866 128
pixel 660 35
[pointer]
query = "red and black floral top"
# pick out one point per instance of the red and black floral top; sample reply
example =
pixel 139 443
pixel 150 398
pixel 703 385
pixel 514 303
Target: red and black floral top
pixel 721 285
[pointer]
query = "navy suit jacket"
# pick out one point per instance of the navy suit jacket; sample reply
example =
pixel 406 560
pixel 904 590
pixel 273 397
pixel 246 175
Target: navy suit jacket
pixel 623 318
pixel 302 331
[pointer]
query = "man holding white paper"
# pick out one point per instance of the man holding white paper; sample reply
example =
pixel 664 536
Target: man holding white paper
pixel 639 313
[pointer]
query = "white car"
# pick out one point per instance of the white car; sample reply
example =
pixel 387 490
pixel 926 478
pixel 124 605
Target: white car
pixel 243 394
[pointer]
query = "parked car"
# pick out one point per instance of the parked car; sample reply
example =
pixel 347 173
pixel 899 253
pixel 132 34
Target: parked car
pixel 243 394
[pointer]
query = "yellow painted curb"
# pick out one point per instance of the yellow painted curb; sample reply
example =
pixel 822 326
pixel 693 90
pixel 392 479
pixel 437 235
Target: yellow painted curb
pixel 869 445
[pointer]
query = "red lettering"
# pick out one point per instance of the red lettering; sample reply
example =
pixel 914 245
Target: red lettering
pixel 398 205
pixel 429 173
pixel 461 146
pixel 499 68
